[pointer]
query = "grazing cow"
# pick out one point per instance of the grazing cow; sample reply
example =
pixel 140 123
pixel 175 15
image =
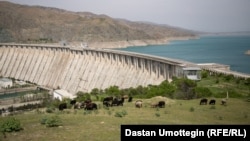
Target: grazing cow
pixel 117 102
pixel 212 102
pixel 203 101
pixel 73 102
pixel 62 106
pixel 125 96
pixel 88 101
pixel 223 101
pixel 79 105
pixel 154 105
pixel 107 101
pixel 110 98
pixel 130 99
pixel 90 106
pixel 138 104
pixel 161 104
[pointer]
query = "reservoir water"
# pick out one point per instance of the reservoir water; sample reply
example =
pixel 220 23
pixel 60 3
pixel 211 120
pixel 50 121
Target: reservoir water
pixel 228 50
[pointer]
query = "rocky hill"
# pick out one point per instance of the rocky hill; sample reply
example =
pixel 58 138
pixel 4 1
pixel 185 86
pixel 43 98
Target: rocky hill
pixel 36 24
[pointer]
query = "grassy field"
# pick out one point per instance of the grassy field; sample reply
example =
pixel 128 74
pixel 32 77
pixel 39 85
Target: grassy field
pixel 104 124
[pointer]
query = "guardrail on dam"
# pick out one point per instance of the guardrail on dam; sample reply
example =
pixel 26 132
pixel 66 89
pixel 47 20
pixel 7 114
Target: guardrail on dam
pixel 75 69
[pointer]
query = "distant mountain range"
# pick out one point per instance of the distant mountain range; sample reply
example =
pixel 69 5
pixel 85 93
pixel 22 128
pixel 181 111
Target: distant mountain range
pixel 37 24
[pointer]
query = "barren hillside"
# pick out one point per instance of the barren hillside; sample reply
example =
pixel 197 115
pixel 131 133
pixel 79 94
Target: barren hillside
pixel 36 24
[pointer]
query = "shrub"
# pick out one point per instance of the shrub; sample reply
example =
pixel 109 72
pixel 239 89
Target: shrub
pixel 157 114
pixel 124 112
pixel 121 113
pixel 202 92
pixel 10 124
pixel 204 74
pixel 220 118
pixel 52 121
pixel 247 81
pixel 228 77
pixel 118 114
pixel 191 109
pixel 217 81
pixel 49 110
pixel 245 115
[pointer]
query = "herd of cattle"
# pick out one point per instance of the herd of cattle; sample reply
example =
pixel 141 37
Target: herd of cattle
pixel 107 102
pixel 204 101
pixel 111 101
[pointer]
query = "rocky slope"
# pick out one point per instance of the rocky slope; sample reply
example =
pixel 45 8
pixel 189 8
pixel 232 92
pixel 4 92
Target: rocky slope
pixel 36 24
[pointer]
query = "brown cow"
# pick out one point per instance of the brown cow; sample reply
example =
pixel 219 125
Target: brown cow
pixel 138 104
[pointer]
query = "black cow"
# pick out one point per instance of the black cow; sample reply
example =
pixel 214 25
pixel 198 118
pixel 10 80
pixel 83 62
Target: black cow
pixel 107 101
pixel 212 102
pixel 110 98
pixel 161 104
pixel 90 106
pixel 117 102
pixel 62 106
pixel 203 101
pixel 73 102
pixel 130 99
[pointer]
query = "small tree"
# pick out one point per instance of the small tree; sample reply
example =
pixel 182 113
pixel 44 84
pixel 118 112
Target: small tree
pixel 186 86
pixel 112 90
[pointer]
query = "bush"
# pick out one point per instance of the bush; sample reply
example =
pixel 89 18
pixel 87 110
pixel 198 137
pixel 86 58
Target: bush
pixel 52 121
pixel 202 92
pixel 191 109
pixel 118 114
pixel 10 124
pixel 204 74
pixel 157 114
pixel 121 113
pixel 217 81
pixel 228 77
pixel 49 110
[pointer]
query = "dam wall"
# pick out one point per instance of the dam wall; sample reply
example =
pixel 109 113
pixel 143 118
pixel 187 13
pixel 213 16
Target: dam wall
pixel 82 69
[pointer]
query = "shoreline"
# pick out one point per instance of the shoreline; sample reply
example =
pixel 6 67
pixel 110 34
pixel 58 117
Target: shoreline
pixel 119 44
pixel 125 44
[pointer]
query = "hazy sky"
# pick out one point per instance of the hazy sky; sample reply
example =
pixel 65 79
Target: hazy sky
pixel 199 15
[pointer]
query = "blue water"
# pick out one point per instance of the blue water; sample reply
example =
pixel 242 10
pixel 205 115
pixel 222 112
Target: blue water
pixel 229 50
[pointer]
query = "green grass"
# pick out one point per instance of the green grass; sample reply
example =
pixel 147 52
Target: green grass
pixel 219 89
pixel 104 125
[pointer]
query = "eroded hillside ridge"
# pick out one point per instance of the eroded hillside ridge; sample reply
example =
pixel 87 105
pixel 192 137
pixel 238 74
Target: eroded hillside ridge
pixel 36 24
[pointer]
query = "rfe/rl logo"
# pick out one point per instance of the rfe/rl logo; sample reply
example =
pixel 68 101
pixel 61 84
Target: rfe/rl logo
pixel 226 132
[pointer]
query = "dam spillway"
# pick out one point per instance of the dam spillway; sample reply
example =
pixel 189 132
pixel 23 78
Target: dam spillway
pixel 82 69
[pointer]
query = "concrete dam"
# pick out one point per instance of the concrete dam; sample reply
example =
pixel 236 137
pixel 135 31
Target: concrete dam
pixel 82 69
